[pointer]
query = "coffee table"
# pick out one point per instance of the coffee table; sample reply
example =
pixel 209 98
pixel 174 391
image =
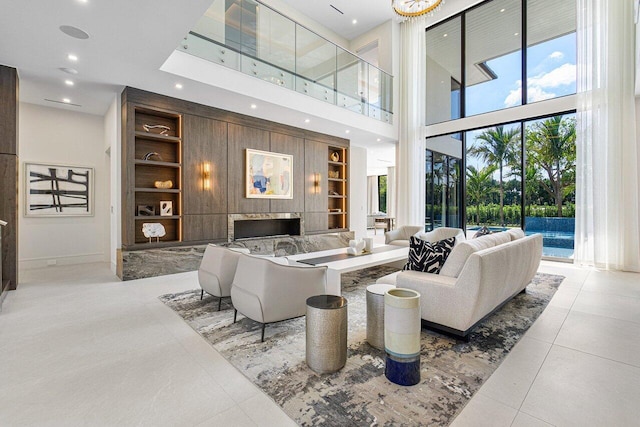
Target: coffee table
pixel 385 254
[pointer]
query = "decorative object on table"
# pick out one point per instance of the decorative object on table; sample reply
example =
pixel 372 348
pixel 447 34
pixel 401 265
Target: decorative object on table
pixel 146 210
pixel 415 8
pixel 375 314
pixel 57 190
pixel 335 157
pixel 360 392
pixel 368 244
pixel 482 232
pixel 166 208
pixel 456 369
pixel 426 256
pixel 268 175
pixel 164 185
pixel 153 230
pixel 402 325
pixel 326 337
pixel 355 247
pixel 157 129
pixel 334 174
pixel 152 155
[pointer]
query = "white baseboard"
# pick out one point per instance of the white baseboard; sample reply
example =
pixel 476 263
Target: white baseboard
pixel 31 263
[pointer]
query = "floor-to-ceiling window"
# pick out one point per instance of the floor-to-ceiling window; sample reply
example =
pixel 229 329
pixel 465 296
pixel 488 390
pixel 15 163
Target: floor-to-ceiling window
pixel 519 164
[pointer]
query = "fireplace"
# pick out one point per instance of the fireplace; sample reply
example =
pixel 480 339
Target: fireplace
pixel 251 226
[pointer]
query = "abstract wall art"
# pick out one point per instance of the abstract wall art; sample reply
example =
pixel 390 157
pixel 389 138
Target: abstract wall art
pixel 57 190
pixel 268 175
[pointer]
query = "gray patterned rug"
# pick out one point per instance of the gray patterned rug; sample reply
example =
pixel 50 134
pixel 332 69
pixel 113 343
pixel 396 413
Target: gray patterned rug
pixel 359 394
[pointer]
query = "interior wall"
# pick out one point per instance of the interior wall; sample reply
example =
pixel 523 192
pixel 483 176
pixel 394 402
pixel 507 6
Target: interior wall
pixel 358 191
pixel 112 137
pixel 57 136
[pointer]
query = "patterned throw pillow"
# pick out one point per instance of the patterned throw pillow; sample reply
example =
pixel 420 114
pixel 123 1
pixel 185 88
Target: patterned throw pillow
pixel 426 256
pixel 482 232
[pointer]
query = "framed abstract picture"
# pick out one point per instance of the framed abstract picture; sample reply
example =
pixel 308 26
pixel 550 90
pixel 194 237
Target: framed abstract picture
pixel 57 190
pixel 268 175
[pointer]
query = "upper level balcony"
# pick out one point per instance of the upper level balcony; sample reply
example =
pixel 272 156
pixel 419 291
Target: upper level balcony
pixel 250 37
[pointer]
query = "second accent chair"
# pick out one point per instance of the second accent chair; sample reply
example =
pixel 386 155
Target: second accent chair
pixel 217 269
pixel 267 291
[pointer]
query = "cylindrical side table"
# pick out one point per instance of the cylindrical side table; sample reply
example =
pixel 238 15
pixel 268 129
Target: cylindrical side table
pixel 402 336
pixel 326 333
pixel 375 314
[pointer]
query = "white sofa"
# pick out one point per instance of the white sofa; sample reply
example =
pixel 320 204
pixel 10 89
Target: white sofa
pixel 478 277
pixel 400 236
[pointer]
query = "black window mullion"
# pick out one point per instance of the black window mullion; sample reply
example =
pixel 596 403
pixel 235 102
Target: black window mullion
pixel 463 66
pixel 523 55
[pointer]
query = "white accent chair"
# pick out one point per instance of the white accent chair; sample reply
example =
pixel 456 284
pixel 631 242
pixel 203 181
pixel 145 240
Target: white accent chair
pixel 217 269
pixel 266 291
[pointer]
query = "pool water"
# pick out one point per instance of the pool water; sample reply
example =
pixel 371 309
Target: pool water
pixel 556 244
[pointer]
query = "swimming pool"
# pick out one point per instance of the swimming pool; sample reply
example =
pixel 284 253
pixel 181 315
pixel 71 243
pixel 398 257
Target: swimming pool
pixel 556 244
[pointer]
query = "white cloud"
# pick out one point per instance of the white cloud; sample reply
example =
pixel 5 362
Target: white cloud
pixel 563 75
pixel 556 55
pixel 514 97
pixel 536 93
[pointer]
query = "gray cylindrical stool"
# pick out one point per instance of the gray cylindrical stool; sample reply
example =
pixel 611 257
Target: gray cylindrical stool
pixel 375 314
pixel 326 333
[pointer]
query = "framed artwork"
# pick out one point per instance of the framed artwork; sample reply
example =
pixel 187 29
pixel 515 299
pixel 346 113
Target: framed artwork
pixel 57 190
pixel 268 175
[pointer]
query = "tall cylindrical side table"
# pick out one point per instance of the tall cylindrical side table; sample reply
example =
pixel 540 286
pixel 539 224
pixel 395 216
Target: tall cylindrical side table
pixel 375 314
pixel 402 325
pixel 326 323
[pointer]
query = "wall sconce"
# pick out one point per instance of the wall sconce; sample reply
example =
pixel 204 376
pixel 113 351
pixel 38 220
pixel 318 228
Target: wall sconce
pixel 316 183
pixel 206 176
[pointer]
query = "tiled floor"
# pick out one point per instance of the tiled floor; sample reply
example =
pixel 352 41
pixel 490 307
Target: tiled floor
pixel 79 347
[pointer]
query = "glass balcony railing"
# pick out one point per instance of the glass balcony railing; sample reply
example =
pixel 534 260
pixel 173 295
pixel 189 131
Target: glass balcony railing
pixel 250 37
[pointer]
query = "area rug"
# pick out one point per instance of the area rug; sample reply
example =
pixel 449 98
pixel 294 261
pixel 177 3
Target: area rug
pixel 359 394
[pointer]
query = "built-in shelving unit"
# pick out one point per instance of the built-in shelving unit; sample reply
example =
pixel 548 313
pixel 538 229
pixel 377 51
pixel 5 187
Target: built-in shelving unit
pixel 154 159
pixel 337 188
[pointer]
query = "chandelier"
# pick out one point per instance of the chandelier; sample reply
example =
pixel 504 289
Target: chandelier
pixel 415 8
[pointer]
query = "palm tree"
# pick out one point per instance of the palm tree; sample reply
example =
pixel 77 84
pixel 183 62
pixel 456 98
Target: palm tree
pixel 498 147
pixel 551 146
pixel 479 186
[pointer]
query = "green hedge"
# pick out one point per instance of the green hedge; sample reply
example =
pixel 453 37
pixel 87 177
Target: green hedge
pixel 490 213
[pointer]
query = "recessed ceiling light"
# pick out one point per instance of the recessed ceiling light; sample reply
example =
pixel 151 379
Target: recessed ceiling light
pixel 347 131
pixel 502 10
pixel 445 35
pixel 254 106
pixel 378 140
pixel 74 32
pixel 83 1
pixel 307 120
pixel 515 34
pixel 178 85
pixel 72 57
pixel 68 70
pixel 66 100
pixel 354 22
pixel 69 82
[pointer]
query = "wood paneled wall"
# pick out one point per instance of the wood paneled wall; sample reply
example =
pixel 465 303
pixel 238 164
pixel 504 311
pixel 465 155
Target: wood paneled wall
pixel 9 174
pixel 220 137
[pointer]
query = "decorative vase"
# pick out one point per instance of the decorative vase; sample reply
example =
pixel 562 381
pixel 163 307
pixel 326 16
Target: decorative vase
pixel 402 325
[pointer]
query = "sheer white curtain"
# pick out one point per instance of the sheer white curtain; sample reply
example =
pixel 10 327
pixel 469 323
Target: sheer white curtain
pixel 410 151
pixel 372 194
pixel 391 192
pixel 607 204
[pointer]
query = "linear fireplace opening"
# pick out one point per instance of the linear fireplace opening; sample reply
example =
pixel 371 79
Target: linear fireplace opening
pixel 251 228
pixel 260 225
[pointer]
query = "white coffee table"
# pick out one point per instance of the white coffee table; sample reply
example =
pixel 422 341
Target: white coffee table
pixel 353 263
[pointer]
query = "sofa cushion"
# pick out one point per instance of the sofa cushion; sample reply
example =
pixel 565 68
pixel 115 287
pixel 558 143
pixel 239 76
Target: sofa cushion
pixel 458 257
pixel 499 238
pixel 428 257
pixel 516 233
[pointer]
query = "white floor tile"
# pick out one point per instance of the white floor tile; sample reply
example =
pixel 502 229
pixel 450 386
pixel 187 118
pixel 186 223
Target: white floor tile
pixel 482 411
pixel 548 324
pixel 614 339
pixel 609 305
pixel 234 417
pixel 614 282
pixel 510 383
pixel 564 298
pixel 578 389
pixel 262 411
pixel 525 420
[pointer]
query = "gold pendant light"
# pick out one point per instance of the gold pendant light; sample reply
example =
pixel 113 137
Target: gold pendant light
pixel 415 8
